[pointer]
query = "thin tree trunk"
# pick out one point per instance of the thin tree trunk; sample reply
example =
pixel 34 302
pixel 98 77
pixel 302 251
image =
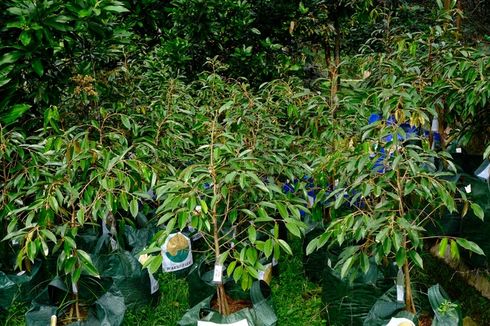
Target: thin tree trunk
pixel 337 46
pixel 327 51
pixel 409 304
pixel 220 290
pixel 458 17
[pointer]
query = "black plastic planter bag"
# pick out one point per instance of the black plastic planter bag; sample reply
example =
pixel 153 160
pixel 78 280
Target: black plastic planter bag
pixel 472 228
pixel 446 313
pixel 127 274
pixel 260 314
pixel 108 309
pixel 200 282
pixel 349 303
pixel 387 307
pixel 18 287
pixel 315 263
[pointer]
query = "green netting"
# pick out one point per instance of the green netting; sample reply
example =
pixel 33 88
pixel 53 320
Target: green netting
pixel 260 314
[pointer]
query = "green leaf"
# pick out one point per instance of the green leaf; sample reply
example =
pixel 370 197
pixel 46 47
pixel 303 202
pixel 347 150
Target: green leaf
pixel 48 234
pixel 31 251
pixel 442 247
pixel 87 263
pixel 293 228
pixel 478 211
pixel 133 207
pixel 125 121
pixel 454 250
pixel 470 245
pixel 285 246
pixel 37 66
pixel 204 206
pixel 401 256
pixel 346 267
pixel 312 245
pixel 416 258
pixel 25 38
pixel 53 203
pixel 252 234
pixel 282 210
pixel 118 9
pixel 231 268
pixel 237 274
pixel 15 113
pixel 365 263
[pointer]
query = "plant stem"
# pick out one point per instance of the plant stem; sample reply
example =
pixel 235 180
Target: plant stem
pixel 221 296
pixel 409 304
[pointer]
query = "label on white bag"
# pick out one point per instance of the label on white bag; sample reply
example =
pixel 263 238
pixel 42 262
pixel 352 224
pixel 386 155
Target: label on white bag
pixel 242 322
pixel 176 252
pixel 218 274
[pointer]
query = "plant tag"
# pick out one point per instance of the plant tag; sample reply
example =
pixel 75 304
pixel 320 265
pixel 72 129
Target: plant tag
pixel 311 201
pixel 21 273
pixel 400 293
pixel 176 252
pixel 468 188
pixel 113 244
pixel 242 322
pixel 218 274
pixel 266 274
pixel 105 230
pixel 154 286
pixel 459 150
pixel 435 125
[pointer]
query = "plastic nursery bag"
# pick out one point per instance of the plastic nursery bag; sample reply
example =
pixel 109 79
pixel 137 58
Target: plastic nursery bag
pixel 446 313
pixel 176 252
pixel 260 314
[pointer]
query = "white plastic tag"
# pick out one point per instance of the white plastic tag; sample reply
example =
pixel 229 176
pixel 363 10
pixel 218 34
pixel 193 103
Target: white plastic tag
pixel 435 125
pixel 218 274
pixel 154 286
pixel 274 262
pixel 467 188
pixel 400 293
pixel 242 322
pixel 311 201
pixel 21 273
pixel 105 230
pixel 459 150
pixel 113 244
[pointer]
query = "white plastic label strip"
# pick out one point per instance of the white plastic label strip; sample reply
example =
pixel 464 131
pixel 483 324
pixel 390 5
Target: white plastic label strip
pixel 154 286
pixel 400 293
pixel 218 274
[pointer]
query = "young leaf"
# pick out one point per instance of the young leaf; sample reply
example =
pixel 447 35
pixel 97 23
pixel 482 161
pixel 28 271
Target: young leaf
pixel 470 245
pixel 477 210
